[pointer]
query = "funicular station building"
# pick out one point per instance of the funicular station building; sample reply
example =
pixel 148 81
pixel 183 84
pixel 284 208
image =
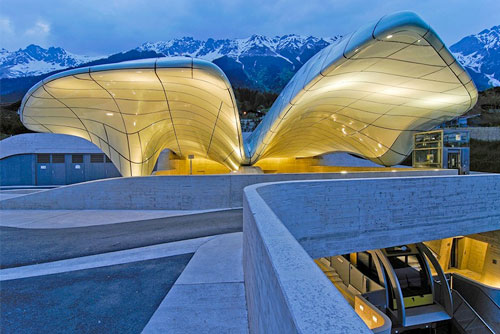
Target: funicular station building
pixel 368 96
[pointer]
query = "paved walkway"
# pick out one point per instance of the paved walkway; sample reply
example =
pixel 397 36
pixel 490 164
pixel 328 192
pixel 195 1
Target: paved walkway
pixel 208 296
pixel 105 259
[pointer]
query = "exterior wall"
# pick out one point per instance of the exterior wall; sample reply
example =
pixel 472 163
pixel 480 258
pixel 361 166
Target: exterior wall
pixel 17 170
pixel 485 133
pixel 175 192
pixel 287 224
pixel 286 292
pixel 24 170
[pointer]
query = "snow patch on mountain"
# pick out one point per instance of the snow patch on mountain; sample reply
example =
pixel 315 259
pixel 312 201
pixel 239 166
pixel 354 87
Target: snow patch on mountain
pixel 260 61
pixel 492 81
pixel 479 54
pixel 35 60
pixel 255 45
pixel 472 61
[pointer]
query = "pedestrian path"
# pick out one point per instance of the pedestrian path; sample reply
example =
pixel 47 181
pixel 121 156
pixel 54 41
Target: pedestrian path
pixel 208 297
pixel 105 259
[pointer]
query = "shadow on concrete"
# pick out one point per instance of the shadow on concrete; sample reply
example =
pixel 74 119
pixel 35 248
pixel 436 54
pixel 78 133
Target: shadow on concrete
pixel 20 247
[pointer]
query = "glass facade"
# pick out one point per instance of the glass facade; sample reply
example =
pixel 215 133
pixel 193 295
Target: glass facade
pixel 448 148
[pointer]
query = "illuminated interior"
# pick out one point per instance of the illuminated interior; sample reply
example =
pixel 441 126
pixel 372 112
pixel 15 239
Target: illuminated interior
pixel 133 110
pixel 476 257
pixel 367 95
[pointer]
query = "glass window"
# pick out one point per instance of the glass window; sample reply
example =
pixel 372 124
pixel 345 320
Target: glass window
pixel 96 158
pixel 428 140
pixel 43 158
pixel 77 158
pixel 413 279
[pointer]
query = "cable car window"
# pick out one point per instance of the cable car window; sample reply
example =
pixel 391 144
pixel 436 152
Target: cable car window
pixel 413 278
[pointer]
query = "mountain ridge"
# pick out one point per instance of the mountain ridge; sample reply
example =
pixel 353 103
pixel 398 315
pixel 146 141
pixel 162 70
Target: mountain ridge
pixel 256 62
pixel 480 55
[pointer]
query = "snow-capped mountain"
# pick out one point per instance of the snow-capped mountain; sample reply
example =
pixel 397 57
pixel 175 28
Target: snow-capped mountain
pixel 289 47
pixel 257 62
pixel 480 55
pixel 35 60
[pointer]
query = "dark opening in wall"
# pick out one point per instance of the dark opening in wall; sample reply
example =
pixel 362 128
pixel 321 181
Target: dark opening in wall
pixel 43 158
pixel 97 158
pixel 77 158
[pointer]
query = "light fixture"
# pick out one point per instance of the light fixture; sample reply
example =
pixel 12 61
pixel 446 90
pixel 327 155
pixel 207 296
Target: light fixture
pixel 343 172
pixel 374 318
pixel 361 307
pixel 389 36
pixel 109 114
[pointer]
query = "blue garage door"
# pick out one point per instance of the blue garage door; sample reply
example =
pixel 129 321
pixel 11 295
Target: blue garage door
pixel 76 171
pixel 58 169
pixel 43 169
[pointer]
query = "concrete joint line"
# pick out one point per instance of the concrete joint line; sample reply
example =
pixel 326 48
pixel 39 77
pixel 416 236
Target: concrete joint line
pixel 105 259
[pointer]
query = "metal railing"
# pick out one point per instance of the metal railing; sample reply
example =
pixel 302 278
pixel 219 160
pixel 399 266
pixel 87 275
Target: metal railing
pixel 479 300
pixel 467 318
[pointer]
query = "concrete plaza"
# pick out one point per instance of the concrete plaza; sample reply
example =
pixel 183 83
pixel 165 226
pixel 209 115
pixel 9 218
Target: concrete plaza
pixel 198 262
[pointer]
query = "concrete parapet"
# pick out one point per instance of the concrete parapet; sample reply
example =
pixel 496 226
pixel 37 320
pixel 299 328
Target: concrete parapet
pixel 173 192
pixel 287 224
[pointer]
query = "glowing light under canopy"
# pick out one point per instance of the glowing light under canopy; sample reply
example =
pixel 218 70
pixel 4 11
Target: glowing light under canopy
pixel 133 110
pixel 366 95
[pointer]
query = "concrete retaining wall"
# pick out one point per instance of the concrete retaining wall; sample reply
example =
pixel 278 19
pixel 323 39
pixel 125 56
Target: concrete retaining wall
pixel 285 291
pixel 485 133
pixel 195 192
pixel 287 224
pixel 384 211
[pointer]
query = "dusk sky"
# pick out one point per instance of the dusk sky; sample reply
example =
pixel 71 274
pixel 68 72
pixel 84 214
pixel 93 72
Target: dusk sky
pixel 98 27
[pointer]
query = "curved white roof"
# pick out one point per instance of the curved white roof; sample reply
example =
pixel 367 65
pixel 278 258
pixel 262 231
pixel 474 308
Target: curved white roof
pixel 28 143
pixel 133 110
pixel 367 95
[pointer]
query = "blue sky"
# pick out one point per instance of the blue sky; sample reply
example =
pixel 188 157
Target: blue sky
pixel 97 27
